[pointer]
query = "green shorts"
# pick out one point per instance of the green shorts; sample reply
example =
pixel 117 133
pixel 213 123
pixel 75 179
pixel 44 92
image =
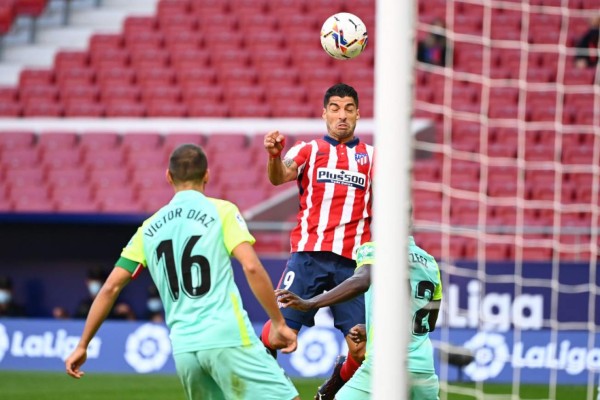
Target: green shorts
pixel 422 386
pixel 359 386
pixel 241 373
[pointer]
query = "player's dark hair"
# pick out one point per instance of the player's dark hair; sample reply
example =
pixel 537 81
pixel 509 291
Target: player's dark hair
pixel 188 163
pixel 340 90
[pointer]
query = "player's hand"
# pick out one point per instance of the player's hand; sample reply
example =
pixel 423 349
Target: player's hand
pixel 282 337
pixel 358 333
pixel 274 143
pixel 74 361
pixel 291 300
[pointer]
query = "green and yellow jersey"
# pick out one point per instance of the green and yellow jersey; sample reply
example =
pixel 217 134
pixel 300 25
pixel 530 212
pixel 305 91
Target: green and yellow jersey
pixel 425 286
pixel 186 247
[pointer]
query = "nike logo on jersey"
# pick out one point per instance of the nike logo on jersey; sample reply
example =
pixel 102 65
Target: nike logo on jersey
pixel 341 177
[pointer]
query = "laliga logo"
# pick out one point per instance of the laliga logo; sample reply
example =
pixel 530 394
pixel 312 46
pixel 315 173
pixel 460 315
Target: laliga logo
pixel 317 350
pixel 491 353
pixel 3 341
pixel 148 348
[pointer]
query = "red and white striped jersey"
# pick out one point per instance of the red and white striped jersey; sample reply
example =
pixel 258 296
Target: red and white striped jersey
pixel 334 183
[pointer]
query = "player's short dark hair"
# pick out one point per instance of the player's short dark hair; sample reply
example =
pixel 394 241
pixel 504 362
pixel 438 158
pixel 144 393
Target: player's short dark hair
pixel 340 90
pixel 188 163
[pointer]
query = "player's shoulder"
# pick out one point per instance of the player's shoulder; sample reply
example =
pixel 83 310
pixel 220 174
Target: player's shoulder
pixel 222 205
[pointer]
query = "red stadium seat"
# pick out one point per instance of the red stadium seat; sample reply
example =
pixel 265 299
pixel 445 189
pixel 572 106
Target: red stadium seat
pixel 502 150
pixel 226 141
pixel 99 141
pixel 105 40
pixel 7 17
pixel 32 8
pixel 61 158
pixel 13 110
pixel 539 152
pixel 31 199
pixel 109 177
pixel 70 58
pixel 68 177
pixel 24 177
pixel 177 20
pixel 187 55
pixel 173 140
pixel 78 108
pixel 38 93
pixel 153 198
pixel 14 140
pixel 36 77
pixel 166 109
pixel 578 155
pixel 20 158
pixel 75 75
pixel 141 141
pixel 291 108
pixel 57 140
pixel 123 194
pixel 200 108
pixel 103 159
pixel 123 108
pixel 149 158
pixel 497 251
pixel 149 178
pixel 245 198
pixel 128 92
pixel 173 7
pixel 79 92
pixel 73 204
pixel 191 75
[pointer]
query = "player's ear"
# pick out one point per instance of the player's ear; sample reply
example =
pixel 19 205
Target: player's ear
pixel 357 113
pixel 324 114
pixel 169 177
pixel 206 176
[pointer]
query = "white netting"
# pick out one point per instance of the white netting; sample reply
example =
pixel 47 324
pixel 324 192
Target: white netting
pixel 512 183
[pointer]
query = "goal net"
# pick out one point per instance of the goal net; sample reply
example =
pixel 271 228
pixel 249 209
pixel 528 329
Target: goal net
pixel 507 195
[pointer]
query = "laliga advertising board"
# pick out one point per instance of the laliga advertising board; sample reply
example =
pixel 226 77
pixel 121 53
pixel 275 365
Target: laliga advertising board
pixel 512 335
pixel 132 347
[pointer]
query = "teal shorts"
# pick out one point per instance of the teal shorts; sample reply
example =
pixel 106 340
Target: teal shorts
pixel 422 386
pixel 244 373
pixel 359 386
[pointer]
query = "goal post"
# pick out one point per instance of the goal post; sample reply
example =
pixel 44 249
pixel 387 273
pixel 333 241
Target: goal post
pixel 393 141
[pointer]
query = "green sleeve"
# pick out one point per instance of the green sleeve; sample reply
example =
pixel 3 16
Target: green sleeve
pixel 133 253
pixel 235 230
pixel 365 254
pixel 437 294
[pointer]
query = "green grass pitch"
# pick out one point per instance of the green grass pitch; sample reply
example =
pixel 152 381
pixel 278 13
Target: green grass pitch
pixel 95 386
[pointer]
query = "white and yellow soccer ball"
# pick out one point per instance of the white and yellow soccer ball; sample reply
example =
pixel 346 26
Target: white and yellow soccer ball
pixel 344 36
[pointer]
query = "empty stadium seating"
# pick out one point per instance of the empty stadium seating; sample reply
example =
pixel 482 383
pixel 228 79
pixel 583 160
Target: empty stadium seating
pixel 241 58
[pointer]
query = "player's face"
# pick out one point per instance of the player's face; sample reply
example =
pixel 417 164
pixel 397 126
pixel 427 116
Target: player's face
pixel 340 115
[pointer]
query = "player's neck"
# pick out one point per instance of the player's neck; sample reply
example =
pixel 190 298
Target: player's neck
pixel 189 186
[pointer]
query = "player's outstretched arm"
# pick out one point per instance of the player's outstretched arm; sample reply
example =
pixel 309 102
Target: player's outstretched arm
pixel 281 336
pixel 99 310
pixel 355 285
pixel 278 171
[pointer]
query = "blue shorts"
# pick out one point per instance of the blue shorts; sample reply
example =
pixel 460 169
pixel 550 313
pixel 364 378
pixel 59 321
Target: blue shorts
pixel 311 273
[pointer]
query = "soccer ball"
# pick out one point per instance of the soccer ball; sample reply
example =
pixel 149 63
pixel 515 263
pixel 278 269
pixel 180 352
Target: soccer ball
pixel 343 36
